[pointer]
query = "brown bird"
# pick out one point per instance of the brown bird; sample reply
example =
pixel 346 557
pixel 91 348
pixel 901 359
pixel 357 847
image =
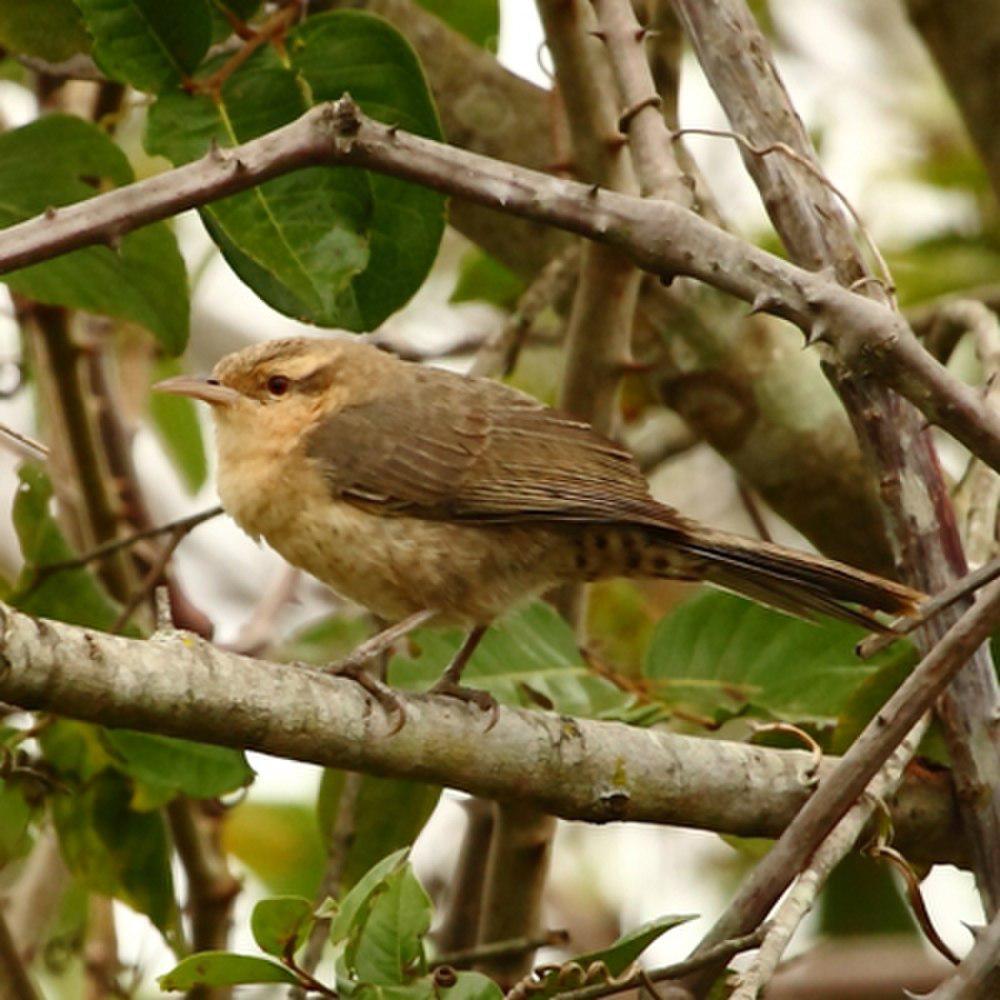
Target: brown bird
pixel 423 494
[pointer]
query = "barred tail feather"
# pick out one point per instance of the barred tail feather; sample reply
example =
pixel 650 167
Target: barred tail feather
pixel 798 583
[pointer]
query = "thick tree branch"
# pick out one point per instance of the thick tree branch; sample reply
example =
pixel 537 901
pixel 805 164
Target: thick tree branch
pixel 659 236
pixel 179 685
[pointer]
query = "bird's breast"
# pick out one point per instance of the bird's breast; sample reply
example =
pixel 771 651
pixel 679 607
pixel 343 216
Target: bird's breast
pixel 393 566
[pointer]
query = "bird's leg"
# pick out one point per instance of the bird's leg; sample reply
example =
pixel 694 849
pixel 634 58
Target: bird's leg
pixel 355 663
pixel 449 682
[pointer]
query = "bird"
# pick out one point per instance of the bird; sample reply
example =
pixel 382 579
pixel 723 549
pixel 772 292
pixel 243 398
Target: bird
pixel 427 495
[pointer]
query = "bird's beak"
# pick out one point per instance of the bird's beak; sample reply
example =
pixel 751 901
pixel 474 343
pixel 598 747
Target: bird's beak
pixel 205 389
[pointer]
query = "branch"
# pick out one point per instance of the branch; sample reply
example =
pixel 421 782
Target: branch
pixel 660 237
pixel 179 685
pixel 520 850
pixel 641 120
pixel 869 752
pixel 799 901
pixel 738 63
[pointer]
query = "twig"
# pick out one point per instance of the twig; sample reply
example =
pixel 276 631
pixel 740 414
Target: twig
pixel 752 507
pixel 976 971
pixel 550 289
pixel 339 838
pixel 26 447
pixel 500 949
pixel 211 887
pixel 272 28
pixel 148 583
pixel 459 928
pixel 35 897
pixel 882 852
pixel 76 444
pixel 258 630
pixel 800 900
pixel 838 790
pixel 181 525
pixel 886 279
pixel 977 498
pixel 518 865
pixel 659 236
pixel 946 598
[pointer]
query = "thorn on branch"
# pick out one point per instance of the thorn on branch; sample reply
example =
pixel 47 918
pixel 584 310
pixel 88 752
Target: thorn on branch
pixel 652 101
pixel 818 333
pixel 764 302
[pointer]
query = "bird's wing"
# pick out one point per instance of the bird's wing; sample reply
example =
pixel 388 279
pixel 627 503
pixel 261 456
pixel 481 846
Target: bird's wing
pixel 439 446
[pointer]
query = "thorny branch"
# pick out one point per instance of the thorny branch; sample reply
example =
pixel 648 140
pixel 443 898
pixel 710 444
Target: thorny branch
pixel 659 236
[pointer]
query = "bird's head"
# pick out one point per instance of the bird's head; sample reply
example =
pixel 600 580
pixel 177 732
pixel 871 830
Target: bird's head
pixel 278 389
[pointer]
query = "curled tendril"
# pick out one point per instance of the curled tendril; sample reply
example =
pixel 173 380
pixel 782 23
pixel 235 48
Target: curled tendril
pixel 568 976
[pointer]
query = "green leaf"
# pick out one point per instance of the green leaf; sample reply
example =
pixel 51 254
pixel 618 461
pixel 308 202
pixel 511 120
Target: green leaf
pixel 478 20
pixel 718 655
pixel 199 770
pixel 115 850
pixel 351 906
pixel 862 898
pixel 323 641
pixel 620 955
pixel 279 842
pixel 144 281
pixel 150 44
pixel 15 819
pixel 280 924
pixel 388 815
pixel 389 949
pixel 176 421
pixel 328 245
pixel 528 658
pixel 482 278
pixel 617 957
pixel 47 29
pixel 222 968
pixel 74 596
pixel 472 986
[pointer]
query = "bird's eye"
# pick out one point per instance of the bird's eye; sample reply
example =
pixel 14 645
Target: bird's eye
pixel 277 385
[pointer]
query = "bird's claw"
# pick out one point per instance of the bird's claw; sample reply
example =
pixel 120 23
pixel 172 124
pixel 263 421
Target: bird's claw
pixel 391 703
pixel 473 696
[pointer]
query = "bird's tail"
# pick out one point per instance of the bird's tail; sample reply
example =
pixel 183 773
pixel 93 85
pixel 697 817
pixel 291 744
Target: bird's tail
pixel 802 584
pixel 795 582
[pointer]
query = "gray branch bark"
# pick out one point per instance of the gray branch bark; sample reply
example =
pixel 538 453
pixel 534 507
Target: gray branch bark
pixel 180 685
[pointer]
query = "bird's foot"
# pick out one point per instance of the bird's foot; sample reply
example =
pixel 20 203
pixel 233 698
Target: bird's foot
pixel 473 696
pixel 354 669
